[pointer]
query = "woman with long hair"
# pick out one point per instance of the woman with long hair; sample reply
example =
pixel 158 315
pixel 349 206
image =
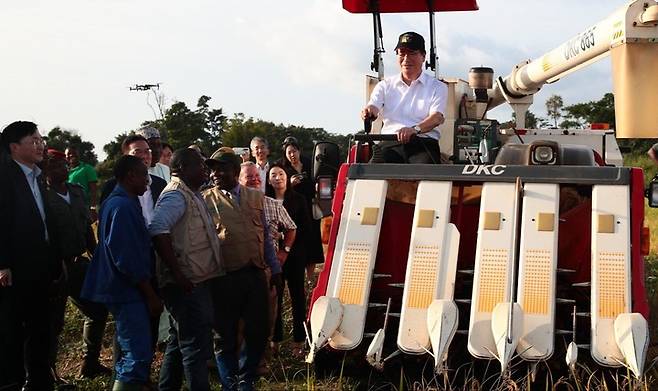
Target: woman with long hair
pixel 299 170
pixel 279 188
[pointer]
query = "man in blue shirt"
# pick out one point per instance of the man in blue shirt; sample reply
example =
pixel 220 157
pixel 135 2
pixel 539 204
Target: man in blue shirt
pixel 120 272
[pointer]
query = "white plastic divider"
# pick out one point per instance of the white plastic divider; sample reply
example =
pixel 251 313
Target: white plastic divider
pixel 355 255
pixel 537 268
pixel 494 260
pixel 430 270
pixel 611 281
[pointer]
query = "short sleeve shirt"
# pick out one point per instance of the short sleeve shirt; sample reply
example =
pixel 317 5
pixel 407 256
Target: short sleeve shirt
pixel 83 175
pixel 405 105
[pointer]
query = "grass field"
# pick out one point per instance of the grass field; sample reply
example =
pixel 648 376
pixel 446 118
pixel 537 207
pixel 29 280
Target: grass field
pixel 289 374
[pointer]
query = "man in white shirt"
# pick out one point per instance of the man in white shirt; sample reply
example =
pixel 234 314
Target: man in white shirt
pixel 152 136
pixel 411 105
pixel 137 145
pixel 260 149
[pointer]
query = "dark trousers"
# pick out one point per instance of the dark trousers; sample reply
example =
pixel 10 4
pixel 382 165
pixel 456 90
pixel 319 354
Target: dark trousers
pixel 419 150
pixel 95 315
pixel 242 294
pixel 293 275
pixel 190 338
pixel 25 336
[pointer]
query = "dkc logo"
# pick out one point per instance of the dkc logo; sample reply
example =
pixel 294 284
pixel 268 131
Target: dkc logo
pixel 483 170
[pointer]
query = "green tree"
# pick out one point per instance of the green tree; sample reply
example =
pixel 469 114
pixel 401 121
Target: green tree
pixel 240 130
pixel 554 106
pixel 181 126
pixel 61 139
pixel 113 152
pixel 209 128
pixel 602 110
pixel 532 121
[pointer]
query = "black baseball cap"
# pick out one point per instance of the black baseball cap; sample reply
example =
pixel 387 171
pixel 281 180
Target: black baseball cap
pixel 412 41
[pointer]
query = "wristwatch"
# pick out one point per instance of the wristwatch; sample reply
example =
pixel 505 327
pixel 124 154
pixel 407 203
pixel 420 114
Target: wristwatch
pixel 286 249
pixel 417 129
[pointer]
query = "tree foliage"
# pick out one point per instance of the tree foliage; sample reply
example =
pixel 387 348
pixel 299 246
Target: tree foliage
pixel 240 130
pixel 61 139
pixel 554 106
pixel 532 121
pixel 182 126
pixel 209 128
pixel 584 114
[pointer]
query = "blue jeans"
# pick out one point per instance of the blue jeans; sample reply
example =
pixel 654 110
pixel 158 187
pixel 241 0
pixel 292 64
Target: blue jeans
pixel 133 334
pixel 190 338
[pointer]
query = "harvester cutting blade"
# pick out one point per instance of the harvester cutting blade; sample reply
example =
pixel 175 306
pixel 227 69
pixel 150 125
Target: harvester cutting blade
pixel 326 315
pixel 506 325
pixel 572 349
pixel 442 319
pixel 632 337
pixel 572 355
pixel 376 347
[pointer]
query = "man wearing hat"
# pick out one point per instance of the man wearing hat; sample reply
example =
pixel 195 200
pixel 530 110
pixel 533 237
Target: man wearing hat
pixel 411 105
pixel 152 136
pixel 243 293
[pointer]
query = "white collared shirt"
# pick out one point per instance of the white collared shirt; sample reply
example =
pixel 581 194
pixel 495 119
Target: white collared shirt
pixel 262 172
pixel 146 202
pixel 403 105
pixel 161 171
pixel 31 174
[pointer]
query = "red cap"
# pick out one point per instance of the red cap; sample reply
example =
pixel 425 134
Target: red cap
pixel 54 153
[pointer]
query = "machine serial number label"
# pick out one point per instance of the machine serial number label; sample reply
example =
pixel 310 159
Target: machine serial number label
pixel 580 43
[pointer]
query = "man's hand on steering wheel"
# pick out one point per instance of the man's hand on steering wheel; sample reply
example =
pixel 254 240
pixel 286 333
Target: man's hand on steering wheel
pixel 405 134
pixel 370 112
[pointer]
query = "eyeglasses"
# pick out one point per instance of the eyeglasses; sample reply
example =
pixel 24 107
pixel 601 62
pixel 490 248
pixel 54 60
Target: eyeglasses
pixel 36 142
pixel 138 152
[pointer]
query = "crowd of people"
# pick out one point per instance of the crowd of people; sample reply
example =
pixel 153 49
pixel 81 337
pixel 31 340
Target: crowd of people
pixel 214 241
pixel 210 242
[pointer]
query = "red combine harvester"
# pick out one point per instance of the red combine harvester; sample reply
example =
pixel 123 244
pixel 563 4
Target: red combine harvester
pixel 527 244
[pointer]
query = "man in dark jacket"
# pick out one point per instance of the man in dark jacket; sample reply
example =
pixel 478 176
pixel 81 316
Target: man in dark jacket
pixel 27 262
pixel 71 219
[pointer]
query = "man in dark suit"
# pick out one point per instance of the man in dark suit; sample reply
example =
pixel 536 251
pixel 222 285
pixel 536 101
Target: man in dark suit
pixel 137 145
pixel 28 263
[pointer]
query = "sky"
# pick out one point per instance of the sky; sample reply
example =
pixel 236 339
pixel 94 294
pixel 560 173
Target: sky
pixel 69 63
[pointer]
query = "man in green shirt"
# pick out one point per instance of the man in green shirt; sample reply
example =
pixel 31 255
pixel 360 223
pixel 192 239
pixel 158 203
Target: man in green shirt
pixel 84 175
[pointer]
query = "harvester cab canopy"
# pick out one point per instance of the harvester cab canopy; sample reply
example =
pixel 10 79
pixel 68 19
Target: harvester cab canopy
pixel 399 6
pixel 377 7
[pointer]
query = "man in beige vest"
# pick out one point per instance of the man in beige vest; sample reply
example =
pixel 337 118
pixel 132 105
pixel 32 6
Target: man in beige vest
pixel 243 293
pixel 188 261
